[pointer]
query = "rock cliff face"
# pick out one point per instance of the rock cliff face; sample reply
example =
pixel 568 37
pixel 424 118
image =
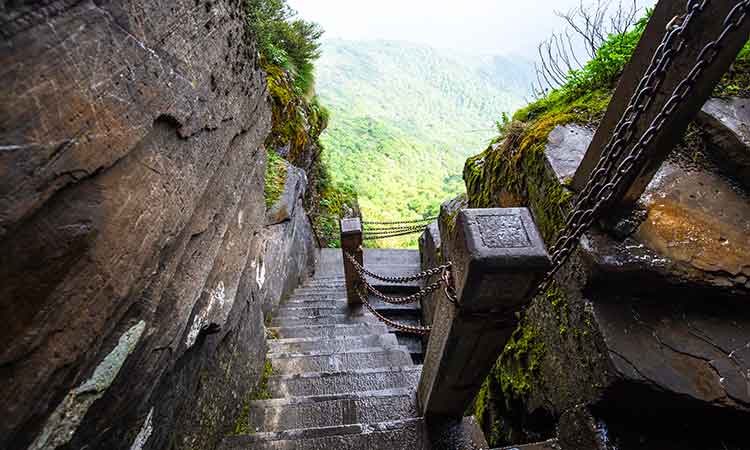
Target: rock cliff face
pixel 133 238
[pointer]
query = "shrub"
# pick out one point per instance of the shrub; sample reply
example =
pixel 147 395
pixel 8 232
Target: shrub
pixel 284 40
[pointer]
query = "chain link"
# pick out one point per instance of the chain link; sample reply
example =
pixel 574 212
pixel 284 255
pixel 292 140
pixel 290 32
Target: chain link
pixel 413 298
pixel 376 236
pixel 403 279
pixel 402 222
pixel 612 169
pixel 423 331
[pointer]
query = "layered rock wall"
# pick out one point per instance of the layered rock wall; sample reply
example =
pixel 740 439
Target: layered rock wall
pixel 642 340
pixel 131 190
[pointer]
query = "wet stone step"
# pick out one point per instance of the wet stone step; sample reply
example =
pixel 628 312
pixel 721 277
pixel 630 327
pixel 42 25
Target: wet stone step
pixel 326 383
pixel 324 308
pixel 320 290
pixel 317 297
pixel 407 434
pixel 333 319
pixel 344 343
pixel 377 257
pixel 328 331
pixel 289 363
pixel 547 445
pixel 333 410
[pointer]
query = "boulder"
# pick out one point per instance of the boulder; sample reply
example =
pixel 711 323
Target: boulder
pixel 725 123
pixel 566 147
pixel 295 187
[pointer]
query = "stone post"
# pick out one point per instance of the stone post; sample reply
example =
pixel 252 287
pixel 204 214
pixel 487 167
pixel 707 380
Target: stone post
pixel 351 243
pixel 498 259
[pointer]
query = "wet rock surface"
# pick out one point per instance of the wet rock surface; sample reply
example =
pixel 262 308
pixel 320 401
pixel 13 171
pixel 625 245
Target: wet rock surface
pixel 646 324
pixel 131 186
pixel 726 122
pixel 566 146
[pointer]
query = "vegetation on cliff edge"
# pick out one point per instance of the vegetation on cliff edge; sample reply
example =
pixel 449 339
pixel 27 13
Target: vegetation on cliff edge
pixel 289 47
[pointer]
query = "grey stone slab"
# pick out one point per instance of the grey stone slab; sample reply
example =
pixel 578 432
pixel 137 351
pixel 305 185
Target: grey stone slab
pixel 566 146
pixel 333 319
pixel 726 122
pixel 399 435
pixel 410 434
pixel 683 353
pixel 387 257
pixel 307 311
pixel 329 330
pixel 294 189
pixel 332 410
pixel 546 445
pixel 356 380
pixel 332 362
pixel 340 344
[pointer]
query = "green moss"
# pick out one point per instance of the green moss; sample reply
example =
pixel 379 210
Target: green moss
pixel 242 424
pixel 555 296
pixel 512 173
pixel 276 171
pixel 736 83
pixel 520 361
pixel 511 379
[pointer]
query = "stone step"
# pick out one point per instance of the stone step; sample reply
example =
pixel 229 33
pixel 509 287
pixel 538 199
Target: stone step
pixel 364 358
pixel 333 319
pixel 547 445
pixel 412 342
pixel 407 434
pixel 327 383
pixel 339 344
pixel 312 297
pixel 332 410
pixel 323 308
pixel 376 257
pixel 336 282
pixel 329 331
pixel 301 291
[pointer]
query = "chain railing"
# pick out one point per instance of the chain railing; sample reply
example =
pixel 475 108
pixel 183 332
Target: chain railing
pixel 386 230
pixel 365 287
pixel 615 166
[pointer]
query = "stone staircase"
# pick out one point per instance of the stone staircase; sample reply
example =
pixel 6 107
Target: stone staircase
pixel 340 379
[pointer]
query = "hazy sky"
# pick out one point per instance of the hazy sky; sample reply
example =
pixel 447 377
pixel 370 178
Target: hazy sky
pixel 491 26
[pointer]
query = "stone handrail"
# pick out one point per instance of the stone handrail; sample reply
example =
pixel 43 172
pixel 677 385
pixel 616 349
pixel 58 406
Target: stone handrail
pixel 351 243
pixel 498 258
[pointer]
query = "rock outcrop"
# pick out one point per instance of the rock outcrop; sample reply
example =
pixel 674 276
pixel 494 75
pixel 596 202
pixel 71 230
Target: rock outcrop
pixel 132 223
pixel 642 341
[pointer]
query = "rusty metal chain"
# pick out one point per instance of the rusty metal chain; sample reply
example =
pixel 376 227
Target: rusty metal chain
pixel 413 298
pixel 402 222
pixel 604 182
pixel 423 331
pixel 638 104
pixel 403 279
pixel 376 236
pixel 368 229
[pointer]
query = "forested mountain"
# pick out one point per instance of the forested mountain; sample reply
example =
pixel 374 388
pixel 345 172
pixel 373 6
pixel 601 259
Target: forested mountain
pixel 405 117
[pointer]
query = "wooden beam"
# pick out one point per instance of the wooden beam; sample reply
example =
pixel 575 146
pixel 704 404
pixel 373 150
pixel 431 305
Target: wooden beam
pixel 706 27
